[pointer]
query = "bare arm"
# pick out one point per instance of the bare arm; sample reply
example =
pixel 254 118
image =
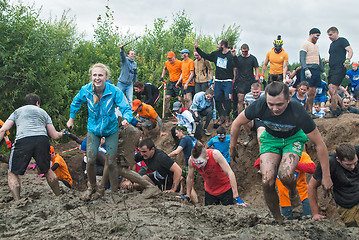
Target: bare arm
pixel 256 72
pixel 234 74
pixel 264 68
pixel 177 172
pixel 236 126
pixel 218 157
pixel 6 127
pixel 176 152
pixel 53 133
pixel 349 51
pixel 313 199
pixel 285 67
pixel 164 71
pixel 190 177
pixel 322 153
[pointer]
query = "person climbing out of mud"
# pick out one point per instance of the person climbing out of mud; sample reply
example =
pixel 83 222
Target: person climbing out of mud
pixel 101 99
pixel 221 143
pixel 220 183
pixel 186 145
pixel 288 126
pixel 345 175
pixel 305 165
pixel 166 173
pixel 33 125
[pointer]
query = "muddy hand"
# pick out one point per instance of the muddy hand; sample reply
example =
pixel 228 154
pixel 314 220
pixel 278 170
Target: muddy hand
pixel 70 123
pixel 125 124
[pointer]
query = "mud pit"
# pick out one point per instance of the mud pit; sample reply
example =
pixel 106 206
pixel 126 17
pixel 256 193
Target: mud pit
pixel 41 215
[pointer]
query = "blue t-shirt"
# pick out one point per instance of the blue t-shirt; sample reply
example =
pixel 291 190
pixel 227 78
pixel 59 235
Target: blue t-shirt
pixel 84 146
pixel 187 143
pixel 321 91
pixel 223 147
pixel 354 78
pixel 302 101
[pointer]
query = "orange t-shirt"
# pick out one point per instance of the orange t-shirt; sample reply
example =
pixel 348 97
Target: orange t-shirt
pixel 187 67
pixel 174 70
pixel 148 112
pixel 302 184
pixel 62 172
pixel 2 124
pixel 276 61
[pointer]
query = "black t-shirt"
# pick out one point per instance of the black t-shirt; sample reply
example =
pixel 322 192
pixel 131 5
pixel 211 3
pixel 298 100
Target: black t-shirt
pixel 345 183
pixel 245 67
pixel 337 53
pixel 160 164
pixel 187 143
pixel 224 63
pixel 294 118
pixel 149 92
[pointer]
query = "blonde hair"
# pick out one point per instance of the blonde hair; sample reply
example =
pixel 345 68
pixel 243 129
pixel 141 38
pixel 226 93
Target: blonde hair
pixel 106 69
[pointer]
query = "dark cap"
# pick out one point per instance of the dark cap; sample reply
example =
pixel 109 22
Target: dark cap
pixel 314 31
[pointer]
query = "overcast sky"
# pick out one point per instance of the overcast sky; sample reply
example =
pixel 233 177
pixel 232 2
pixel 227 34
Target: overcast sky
pixel 260 21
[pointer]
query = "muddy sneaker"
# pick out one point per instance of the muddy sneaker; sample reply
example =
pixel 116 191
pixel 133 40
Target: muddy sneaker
pixel 329 115
pixel 297 207
pixel 206 132
pixel 88 193
pixel 150 192
pixel 248 139
pixel 99 193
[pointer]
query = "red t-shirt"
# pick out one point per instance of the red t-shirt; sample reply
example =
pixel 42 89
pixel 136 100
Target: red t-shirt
pixel 215 179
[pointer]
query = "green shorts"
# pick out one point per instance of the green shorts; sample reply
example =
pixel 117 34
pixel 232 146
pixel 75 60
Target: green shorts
pixel 293 144
pixel 185 173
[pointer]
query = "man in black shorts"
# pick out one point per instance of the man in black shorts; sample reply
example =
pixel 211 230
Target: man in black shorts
pixel 245 64
pixel 166 173
pixel 33 125
pixel 340 54
pixel 288 127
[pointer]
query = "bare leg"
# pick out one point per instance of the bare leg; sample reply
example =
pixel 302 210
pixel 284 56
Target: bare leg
pixel 240 102
pixel 53 182
pixel 269 166
pixel 167 103
pixel 188 100
pixel 311 95
pixel 14 185
pixel 286 175
pixel 333 92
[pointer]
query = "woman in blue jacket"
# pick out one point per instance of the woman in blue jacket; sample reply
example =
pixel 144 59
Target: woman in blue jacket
pixel 101 99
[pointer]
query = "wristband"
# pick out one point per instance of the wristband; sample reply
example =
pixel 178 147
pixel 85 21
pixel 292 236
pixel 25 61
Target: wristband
pixel 237 200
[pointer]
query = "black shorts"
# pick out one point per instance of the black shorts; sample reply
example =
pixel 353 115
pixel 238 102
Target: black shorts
pixel 24 149
pixel 172 90
pixel 190 89
pixel 225 198
pixel 336 76
pixel 315 80
pixel 243 87
pixel 275 77
pixel 163 184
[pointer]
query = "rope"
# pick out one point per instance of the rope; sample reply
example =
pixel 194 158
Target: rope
pixel 72 149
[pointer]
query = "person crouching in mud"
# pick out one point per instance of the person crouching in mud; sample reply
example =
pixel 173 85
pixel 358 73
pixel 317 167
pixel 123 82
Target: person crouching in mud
pixel 101 99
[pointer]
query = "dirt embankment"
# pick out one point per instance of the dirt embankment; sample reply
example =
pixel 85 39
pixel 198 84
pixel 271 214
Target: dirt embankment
pixel 41 215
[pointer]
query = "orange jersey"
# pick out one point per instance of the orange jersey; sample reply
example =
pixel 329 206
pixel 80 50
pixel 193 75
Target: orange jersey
pixel 187 67
pixel 174 70
pixel 276 61
pixel 301 184
pixel 62 172
pixel 148 112
pixel 2 124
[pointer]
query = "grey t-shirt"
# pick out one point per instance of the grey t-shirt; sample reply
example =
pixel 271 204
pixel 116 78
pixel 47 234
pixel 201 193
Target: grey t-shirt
pixel 30 120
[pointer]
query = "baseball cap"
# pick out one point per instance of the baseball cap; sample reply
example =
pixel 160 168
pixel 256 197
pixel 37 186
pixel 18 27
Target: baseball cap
pixel 170 54
pixel 136 104
pixel 184 51
pixel 176 106
pixel 355 64
pixel 314 31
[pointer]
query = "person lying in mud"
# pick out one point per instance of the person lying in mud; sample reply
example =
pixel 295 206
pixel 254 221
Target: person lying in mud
pixel 33 125
pixel 287 127
pixel 220 183
pixel 166 173
pixel 344 172
pixel 101 99
pixel 305 165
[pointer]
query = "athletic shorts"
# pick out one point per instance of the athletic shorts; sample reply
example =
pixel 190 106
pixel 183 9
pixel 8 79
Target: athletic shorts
pixel 336 76
pixel 225 198
pixel 223 90
pixel 315 80
pixel 243 87
pixel 275 77
pixel 163 184
pixel 190 89
pixel 349 216
pixel 293 144
pixel 37 147
pixel 201 87
pixel 321 99
pixel 172 90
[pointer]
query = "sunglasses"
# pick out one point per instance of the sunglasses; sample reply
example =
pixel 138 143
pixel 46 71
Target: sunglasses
pixel 222 135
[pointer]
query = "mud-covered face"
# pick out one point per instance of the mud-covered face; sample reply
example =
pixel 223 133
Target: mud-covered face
pixel 146 153
pixel 347 164
pixel 277 104
pixel 98 77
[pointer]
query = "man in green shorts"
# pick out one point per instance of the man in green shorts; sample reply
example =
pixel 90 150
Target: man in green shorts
pixel 288 127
